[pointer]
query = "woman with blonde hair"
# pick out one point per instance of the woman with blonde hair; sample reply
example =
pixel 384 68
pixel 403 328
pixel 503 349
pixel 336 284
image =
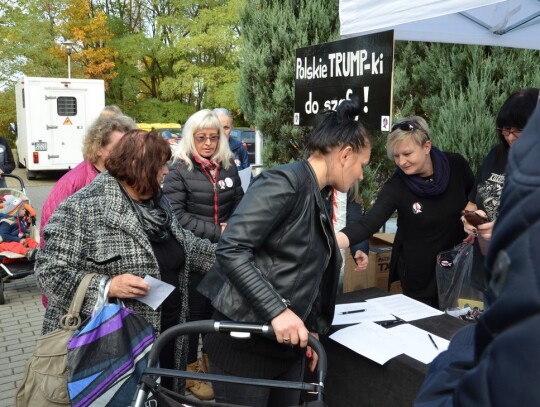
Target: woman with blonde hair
pixel 204 188
pixel 428 190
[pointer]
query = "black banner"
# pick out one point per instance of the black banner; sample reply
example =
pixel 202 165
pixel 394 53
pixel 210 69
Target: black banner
pixel 330 72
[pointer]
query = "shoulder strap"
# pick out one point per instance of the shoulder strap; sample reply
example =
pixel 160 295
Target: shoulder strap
pixel 72 319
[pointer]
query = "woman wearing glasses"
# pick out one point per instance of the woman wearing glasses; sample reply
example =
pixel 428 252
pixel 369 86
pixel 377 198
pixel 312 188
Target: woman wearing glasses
pixel 428 190
pixel 485 196
pixel 204 189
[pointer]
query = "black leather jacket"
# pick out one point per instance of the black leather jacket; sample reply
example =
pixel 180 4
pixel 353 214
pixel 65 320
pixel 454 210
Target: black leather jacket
pixel 278 250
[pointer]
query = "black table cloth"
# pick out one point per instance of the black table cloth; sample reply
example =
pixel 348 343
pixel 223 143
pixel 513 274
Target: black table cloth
pixel 354 380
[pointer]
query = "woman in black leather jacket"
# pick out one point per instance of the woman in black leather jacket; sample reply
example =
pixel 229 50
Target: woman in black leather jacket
pixel 278 261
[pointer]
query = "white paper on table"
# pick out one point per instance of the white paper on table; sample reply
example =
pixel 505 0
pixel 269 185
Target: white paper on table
pixel 158 292
pixel 373 312
pixel 245 177
pixel 405 307
pixel 369 340
pixel 416 342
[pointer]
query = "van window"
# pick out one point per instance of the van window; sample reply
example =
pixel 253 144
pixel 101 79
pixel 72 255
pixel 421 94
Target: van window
pixel 66 106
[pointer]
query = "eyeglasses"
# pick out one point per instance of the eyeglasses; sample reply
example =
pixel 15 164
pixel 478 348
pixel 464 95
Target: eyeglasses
pixel 202 138
pixel 506 131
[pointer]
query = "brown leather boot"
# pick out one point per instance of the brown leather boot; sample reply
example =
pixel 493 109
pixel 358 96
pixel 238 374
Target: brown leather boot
pixel 201 390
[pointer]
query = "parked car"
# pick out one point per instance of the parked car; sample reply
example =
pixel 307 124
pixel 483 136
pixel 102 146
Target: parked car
pixel 247 137
pixel 173 136
pixel 172 132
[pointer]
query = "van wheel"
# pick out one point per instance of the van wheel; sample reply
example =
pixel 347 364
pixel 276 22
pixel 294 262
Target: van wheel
pixel 31 175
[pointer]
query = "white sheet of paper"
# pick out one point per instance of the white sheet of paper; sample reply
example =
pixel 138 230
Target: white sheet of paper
pixel 158 292
pixel 245 177
pixel 382 344
pixel 370 340
pixel 416 342
pixel 373 312
pixel 405 307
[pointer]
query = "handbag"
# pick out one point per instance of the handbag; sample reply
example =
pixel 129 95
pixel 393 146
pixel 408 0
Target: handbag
pixel 45 381
pixel 107 356
pixel 453 273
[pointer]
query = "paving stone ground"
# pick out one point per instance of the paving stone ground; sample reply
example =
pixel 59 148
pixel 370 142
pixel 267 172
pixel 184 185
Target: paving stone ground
pixel 20 324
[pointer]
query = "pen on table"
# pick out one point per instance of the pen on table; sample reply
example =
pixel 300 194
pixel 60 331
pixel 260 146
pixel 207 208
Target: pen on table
pixel 351 312
pixel 391 322
pixel 432 341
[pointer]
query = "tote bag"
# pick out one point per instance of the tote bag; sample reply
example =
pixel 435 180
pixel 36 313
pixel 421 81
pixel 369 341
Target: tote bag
pixel 106 357
pixel 45 381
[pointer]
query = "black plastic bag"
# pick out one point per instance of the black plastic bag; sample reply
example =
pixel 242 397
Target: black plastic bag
pixel 453 272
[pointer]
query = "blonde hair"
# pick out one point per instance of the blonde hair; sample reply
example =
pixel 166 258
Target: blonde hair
pixel 99 134
pixel 110 110
pixel 203 119
pixel 418 133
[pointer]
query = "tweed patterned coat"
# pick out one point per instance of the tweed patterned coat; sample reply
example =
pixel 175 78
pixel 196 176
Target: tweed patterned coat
pixel 96 230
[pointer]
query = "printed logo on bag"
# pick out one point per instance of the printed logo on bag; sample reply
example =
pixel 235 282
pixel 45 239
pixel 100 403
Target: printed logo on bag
pixel 417 208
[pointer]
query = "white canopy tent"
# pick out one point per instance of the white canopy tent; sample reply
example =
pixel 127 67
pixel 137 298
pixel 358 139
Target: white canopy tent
pixel 507 23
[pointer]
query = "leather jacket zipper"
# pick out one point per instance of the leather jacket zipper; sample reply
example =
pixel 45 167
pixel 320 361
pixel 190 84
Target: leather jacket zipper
pixel 285 301
pixel 326 262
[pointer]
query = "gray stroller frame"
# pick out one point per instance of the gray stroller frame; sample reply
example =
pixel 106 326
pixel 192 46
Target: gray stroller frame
pixel 152 372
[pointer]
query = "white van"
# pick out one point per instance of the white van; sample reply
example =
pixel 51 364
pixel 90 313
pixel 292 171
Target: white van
pixel 53 115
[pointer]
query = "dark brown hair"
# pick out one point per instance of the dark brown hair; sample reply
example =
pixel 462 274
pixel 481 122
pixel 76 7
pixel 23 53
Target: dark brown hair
pixel 516 110
pixel 137 159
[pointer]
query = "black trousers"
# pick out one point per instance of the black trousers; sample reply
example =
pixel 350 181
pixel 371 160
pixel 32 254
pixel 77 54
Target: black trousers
pixel 199 309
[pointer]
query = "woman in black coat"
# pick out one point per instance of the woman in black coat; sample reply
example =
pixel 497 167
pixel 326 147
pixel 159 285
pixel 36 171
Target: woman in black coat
pixel 204 188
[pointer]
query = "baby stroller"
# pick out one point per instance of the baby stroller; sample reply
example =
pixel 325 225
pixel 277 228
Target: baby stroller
pixel 14 266
pixel 164 397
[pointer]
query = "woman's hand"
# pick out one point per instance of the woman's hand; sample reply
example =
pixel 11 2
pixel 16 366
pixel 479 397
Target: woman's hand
pixel 128 286
pixel 471 229
pixel 361 259
pixel 311 354
pixel 485 230
pixel 342 240
pixel 289 328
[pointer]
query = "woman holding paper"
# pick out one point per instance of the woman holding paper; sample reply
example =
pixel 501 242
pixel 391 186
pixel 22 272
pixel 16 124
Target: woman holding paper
pixel 122 228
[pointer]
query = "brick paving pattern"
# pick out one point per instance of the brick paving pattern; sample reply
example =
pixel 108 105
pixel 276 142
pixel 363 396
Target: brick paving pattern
pixel 20 324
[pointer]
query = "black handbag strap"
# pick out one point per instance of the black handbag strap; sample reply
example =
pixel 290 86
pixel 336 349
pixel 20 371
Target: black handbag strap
pixel 72 319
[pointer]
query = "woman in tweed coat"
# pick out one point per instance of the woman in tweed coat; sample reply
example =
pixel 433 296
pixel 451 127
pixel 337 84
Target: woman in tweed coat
pixel 121 227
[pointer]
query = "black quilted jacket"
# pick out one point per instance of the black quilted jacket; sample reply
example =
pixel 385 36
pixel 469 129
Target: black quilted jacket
pixel 198 204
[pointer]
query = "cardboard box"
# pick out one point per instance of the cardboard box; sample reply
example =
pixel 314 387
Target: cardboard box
pixel 376 274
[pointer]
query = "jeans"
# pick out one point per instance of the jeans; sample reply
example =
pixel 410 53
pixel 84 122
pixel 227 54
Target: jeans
pixel 258 396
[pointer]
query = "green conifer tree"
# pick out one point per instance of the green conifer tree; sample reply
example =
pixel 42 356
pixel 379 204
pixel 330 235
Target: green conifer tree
pixel 272 31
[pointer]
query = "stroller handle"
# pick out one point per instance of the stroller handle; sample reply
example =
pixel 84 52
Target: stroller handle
pixel 210 326
pixel 17 178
